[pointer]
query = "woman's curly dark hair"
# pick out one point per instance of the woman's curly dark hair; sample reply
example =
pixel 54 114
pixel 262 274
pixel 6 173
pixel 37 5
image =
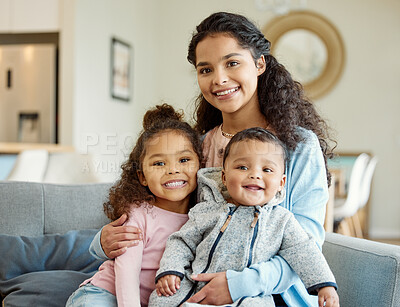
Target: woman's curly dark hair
pixel 282 100
pixel 128 191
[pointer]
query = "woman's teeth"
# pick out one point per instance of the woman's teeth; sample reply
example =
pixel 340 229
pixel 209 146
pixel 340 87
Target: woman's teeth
pixel 227 92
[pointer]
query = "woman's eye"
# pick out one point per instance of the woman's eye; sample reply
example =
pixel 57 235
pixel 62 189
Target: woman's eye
pixel 232 63
pixel 159 163
pixel 204 71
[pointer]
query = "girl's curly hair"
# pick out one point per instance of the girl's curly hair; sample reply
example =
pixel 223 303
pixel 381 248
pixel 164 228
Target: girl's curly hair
pixel 281 99
pixel 128 191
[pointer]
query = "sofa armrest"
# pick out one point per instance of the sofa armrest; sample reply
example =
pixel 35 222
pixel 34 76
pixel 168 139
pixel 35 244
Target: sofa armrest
pixel 367 273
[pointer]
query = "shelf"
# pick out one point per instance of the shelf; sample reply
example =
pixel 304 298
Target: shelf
pixel 16 148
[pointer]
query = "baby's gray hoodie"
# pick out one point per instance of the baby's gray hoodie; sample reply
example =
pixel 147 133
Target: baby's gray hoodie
pixel 220 236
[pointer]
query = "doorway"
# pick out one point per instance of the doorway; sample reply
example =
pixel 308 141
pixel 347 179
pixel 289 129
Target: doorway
pixel 29 88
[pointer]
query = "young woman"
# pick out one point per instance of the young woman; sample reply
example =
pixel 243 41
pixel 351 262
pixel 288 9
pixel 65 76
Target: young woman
pixel 243 86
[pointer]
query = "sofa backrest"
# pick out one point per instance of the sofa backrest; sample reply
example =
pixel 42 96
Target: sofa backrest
pixel 32 209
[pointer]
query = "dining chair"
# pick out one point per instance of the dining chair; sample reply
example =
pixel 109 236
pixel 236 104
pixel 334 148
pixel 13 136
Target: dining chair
pixel 70 167
pixel 367 180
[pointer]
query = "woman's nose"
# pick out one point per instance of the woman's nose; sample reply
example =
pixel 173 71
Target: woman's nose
pixel 220 77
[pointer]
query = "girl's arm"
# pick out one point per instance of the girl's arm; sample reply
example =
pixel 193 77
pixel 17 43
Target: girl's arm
pixel 127 268
pixel 114 239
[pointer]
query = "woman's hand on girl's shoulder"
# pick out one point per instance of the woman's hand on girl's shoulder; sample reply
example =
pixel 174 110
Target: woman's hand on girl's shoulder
pixel 116 238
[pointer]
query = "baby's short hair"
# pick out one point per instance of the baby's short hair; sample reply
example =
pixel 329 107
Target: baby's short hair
pixel 258 134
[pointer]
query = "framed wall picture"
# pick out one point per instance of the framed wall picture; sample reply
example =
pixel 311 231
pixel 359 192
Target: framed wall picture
pixel 120 70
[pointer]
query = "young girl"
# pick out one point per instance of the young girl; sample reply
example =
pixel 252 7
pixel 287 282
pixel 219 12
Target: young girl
pixel 243 86
pixel 154 192
pixel 247 228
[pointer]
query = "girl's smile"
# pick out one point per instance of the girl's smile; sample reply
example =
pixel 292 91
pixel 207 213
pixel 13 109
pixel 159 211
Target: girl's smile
pixel 175 184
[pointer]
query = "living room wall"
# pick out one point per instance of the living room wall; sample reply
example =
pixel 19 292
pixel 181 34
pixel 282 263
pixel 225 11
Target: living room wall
pixel 91 119
pixel 362 107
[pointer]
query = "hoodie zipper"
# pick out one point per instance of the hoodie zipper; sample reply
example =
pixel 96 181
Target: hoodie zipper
pixel 211 254
pixel 221 232
pixel 254 225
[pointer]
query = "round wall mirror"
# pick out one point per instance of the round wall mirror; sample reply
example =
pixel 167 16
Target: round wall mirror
pixel 310 47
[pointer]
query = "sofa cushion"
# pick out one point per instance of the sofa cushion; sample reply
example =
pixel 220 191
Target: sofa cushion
pixel 52 265
pixel 69 251
pixel 50 288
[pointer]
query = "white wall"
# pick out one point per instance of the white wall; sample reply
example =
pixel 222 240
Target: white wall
pixel 362 108
pixel 92 120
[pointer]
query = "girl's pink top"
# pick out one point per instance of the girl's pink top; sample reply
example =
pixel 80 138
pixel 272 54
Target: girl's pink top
pixel 132 275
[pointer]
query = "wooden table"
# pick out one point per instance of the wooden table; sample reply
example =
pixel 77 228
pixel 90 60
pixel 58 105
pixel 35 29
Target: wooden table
pixel 336 190
pixel 339 181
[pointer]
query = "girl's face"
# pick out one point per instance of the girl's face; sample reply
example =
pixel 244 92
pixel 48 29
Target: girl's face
pixel 254 172
pixel 227 74
pixel 169 169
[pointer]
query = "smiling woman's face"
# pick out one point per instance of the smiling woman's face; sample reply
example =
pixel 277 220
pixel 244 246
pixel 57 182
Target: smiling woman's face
pixel 227 74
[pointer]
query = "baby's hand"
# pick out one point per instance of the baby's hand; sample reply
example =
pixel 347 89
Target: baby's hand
pixel 168 285
pixel 328 297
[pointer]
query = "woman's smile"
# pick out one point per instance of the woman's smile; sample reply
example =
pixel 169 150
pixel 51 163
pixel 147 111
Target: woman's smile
pixel 225 94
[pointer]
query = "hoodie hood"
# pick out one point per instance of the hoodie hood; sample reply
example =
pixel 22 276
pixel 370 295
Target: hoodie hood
pixel 211 188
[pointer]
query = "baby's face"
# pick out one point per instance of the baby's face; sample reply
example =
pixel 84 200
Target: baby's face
pixel 254 172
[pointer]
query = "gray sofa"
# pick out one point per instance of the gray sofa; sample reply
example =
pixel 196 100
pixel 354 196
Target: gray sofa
pixel 45 231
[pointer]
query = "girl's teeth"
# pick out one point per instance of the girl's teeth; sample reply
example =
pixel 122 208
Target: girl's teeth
pixel 174 184
pixel 227 92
